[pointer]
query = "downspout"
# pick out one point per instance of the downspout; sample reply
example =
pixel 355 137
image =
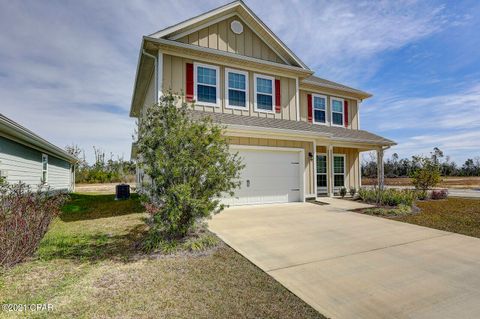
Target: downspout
pixel 156 77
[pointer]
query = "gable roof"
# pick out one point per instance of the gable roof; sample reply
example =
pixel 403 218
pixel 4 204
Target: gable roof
pixel 239 8
pixel 14 131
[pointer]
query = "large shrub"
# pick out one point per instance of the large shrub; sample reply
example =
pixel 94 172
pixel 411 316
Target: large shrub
pixel 188 165
pixel 427 175
pixel 24 219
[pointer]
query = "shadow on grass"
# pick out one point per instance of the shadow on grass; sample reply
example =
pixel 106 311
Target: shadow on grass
pixel 87 206
pixel 93 247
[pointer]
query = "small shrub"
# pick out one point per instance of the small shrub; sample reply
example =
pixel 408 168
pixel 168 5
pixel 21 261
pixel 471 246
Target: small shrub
pixel 388 197
pixel 401 210
pixel 24 219
pixel 439 194
pixel 353 191
pixel 343 192
pixel 422 194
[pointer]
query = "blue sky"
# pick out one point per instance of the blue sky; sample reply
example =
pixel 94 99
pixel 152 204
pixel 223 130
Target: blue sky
pixel 67 67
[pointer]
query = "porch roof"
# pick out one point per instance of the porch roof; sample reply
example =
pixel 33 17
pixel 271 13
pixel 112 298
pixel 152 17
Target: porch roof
pixel 296 127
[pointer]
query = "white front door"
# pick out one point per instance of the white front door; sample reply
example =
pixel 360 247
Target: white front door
pixel 269 176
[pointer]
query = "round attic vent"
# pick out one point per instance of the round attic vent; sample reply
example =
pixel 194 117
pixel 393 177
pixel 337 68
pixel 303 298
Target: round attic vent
pixel 236 26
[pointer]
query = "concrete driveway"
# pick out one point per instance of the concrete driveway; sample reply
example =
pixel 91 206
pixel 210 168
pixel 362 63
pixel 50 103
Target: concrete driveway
pixel 348 265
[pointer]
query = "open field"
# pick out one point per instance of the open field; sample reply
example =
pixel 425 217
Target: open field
pixel 105 188
pixel 472 182
pixel 88 267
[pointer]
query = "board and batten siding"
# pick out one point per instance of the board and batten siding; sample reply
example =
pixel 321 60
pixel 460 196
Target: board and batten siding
pixel 22 163
pixel 307 147
pixel 352 109
pixel 174 70
pixel 220 36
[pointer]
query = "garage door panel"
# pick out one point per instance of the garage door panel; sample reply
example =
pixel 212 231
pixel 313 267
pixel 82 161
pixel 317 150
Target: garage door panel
pixel 274 177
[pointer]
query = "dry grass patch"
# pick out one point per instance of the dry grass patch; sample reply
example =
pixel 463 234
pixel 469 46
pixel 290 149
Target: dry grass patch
pixel 88 267
pixel 460 182
pixel 458 215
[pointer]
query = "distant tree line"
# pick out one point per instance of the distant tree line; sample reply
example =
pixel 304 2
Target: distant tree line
pixel 103 170
pixel 396 167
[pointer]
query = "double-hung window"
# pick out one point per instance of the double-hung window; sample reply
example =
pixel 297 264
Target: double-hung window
pixel 236 89
pixel 337 111
pixel 321 173
pixel 339 170
pixel 264 93
pixel 319 109
pixel 207 86
pixel 44 168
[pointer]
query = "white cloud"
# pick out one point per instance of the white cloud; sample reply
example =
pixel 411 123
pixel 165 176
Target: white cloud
pixel 339 38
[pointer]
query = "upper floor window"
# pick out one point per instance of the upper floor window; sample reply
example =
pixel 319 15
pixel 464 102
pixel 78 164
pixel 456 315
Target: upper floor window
pixel 207 84
pixel 319 109
pixel 44 168
pixel 264 97
pixel 236 89
pixel 337 111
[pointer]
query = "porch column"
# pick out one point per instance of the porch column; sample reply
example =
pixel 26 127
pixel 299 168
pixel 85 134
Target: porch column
pixel 380 169
pixel 330 181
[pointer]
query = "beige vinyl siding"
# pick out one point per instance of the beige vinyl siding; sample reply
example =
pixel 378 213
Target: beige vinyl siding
pixel 307 146
pixel 21 163
pixel 220 36
pixel 352 109
pixel 174 79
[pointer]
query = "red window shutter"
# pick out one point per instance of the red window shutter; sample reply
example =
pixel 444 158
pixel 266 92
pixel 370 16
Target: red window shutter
pixel 346 112
pixel 278 98
pixel 310 108
pixel 189 84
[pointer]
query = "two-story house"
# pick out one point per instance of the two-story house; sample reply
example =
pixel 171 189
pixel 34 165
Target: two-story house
pixel 299 135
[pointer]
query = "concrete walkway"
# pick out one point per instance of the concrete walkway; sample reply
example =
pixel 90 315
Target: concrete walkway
pixel 348 265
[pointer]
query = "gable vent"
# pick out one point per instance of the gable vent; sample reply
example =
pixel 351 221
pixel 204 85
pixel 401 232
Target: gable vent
pixel 236 26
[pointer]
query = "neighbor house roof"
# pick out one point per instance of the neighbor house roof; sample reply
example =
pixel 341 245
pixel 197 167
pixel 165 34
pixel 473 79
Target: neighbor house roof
pixel 296 127
pixel 14 131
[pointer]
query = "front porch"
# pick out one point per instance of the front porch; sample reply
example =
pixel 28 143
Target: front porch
pixel 338 166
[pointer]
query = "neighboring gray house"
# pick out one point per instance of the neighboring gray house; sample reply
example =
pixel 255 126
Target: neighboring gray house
pixel 26 157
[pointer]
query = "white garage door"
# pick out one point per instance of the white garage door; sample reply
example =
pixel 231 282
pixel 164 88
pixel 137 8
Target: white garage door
pixel 269 176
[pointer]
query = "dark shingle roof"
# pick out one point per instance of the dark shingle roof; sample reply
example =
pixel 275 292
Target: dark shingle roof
pixel 331 132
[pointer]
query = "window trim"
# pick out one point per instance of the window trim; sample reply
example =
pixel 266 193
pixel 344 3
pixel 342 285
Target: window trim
pixel 45 156
pixel 344 170
pixel 331 111
pixel 313 108
pixel 323 189
pixel 266 77
pixel 195 84
pixel 227 88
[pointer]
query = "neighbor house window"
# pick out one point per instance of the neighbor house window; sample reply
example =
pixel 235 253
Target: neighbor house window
pixel 319 109
pixel 264 88
pixel 339 170
pixel 321 172
pixel 337 111
pixel 44 168
pixel 236 89
pixel 207 85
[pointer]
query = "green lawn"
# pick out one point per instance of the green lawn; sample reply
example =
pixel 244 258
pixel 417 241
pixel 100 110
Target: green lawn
pixel 88 265
pixel 458 215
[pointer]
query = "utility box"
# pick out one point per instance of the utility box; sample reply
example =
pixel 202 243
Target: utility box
pixel 122 191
